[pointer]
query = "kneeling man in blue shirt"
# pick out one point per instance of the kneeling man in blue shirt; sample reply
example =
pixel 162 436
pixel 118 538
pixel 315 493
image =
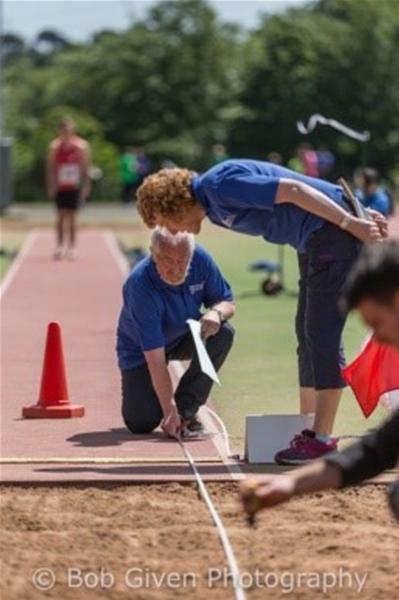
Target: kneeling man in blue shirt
pixel 160 294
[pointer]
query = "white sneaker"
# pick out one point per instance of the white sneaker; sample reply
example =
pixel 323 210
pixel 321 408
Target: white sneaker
pixel 72 254
pixel 59 253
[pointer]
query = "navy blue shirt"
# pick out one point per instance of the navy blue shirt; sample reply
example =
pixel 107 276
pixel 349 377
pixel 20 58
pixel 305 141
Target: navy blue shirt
pixel 239 194
pixel 154 313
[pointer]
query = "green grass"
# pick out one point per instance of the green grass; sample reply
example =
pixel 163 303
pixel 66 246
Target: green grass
pixel 10 242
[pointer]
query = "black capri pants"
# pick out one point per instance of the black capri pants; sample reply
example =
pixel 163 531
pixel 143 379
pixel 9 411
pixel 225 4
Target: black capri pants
pixel 323 269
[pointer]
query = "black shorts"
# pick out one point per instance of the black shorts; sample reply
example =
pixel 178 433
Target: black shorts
pixel 68 199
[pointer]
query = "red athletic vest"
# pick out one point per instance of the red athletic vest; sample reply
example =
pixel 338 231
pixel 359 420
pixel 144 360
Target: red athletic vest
pixel 68 160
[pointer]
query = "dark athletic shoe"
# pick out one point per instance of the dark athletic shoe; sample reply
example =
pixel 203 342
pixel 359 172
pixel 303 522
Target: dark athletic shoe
pixel 195 425
pixel 192 428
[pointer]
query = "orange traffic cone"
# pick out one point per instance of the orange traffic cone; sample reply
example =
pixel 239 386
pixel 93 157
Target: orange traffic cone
pixel 53 399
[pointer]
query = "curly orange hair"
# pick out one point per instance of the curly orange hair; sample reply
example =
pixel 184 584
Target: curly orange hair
pixel 166 193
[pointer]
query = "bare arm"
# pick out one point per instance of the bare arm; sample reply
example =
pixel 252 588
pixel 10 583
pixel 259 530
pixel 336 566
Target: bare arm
pixel 50 173
pixel 214 316
pixel 316 476
pixel 162 383
pixel 86 166
pixel 272 490
pixel 227 309
pixel 317 203
pixel 160 377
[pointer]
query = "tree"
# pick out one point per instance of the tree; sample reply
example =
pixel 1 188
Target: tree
pixel 47 44
pixel 12 46
pixel 339 58
pixel 180 80
pixel 368 79
pixel 163 83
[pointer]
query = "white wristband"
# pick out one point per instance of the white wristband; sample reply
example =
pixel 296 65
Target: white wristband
pixel 344 224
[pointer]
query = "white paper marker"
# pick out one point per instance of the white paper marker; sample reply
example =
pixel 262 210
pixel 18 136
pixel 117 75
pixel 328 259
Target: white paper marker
pixel 203 356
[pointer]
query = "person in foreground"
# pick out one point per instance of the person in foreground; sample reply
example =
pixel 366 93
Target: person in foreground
pixel 314 216
pixel 160 294
pixel 373 289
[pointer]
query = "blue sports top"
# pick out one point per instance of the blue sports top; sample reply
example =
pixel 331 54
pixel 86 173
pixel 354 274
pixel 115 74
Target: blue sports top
pixel 154 313
pixel 380 201
pixel 239 194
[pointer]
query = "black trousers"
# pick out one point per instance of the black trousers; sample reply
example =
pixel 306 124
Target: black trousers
pixel 141 409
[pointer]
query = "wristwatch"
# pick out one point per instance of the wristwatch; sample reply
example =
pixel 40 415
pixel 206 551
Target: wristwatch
pixel 219 312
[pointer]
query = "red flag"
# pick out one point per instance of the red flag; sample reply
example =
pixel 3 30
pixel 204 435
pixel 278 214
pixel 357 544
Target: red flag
pixel 373 373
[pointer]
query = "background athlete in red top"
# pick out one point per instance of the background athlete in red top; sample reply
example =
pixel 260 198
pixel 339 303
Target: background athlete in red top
pixel 68 184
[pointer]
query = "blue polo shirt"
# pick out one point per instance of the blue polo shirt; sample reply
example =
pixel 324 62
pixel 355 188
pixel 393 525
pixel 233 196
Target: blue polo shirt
pixel 239 195
pixel 154 313
pixel 380 201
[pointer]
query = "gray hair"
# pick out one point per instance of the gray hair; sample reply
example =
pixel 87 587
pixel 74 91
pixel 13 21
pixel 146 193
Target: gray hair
pixel 163 235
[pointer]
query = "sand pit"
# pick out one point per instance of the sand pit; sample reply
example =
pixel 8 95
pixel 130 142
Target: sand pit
pixel 118 541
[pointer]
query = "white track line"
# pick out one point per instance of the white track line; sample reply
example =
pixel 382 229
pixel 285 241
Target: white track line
pixel 116 252
pixel 99 460
pixel 14 268
pixel 224 538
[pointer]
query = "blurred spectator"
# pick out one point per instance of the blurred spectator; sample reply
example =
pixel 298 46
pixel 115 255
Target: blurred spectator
pixel 295 162
pixel 326 163
pixel 68 184
pixel 358 181
pixel 372 195
pixel 129 175
pixel 219 154
pixel 275 158
pixel 143 165
pixel 309 159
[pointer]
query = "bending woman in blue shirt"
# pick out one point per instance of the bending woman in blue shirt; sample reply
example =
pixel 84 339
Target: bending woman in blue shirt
pixel 284 207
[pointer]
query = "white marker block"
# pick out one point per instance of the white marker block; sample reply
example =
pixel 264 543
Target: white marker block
pixel 265 435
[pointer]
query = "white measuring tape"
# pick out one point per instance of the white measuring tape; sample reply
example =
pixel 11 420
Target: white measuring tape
pixel 228 550
pixel 224 432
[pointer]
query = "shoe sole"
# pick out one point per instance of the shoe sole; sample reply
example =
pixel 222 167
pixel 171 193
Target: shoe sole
pixel 187 434
pixel 288 461
pixel 294 462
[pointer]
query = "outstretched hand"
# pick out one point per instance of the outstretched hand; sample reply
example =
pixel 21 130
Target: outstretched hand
pixel 269 491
